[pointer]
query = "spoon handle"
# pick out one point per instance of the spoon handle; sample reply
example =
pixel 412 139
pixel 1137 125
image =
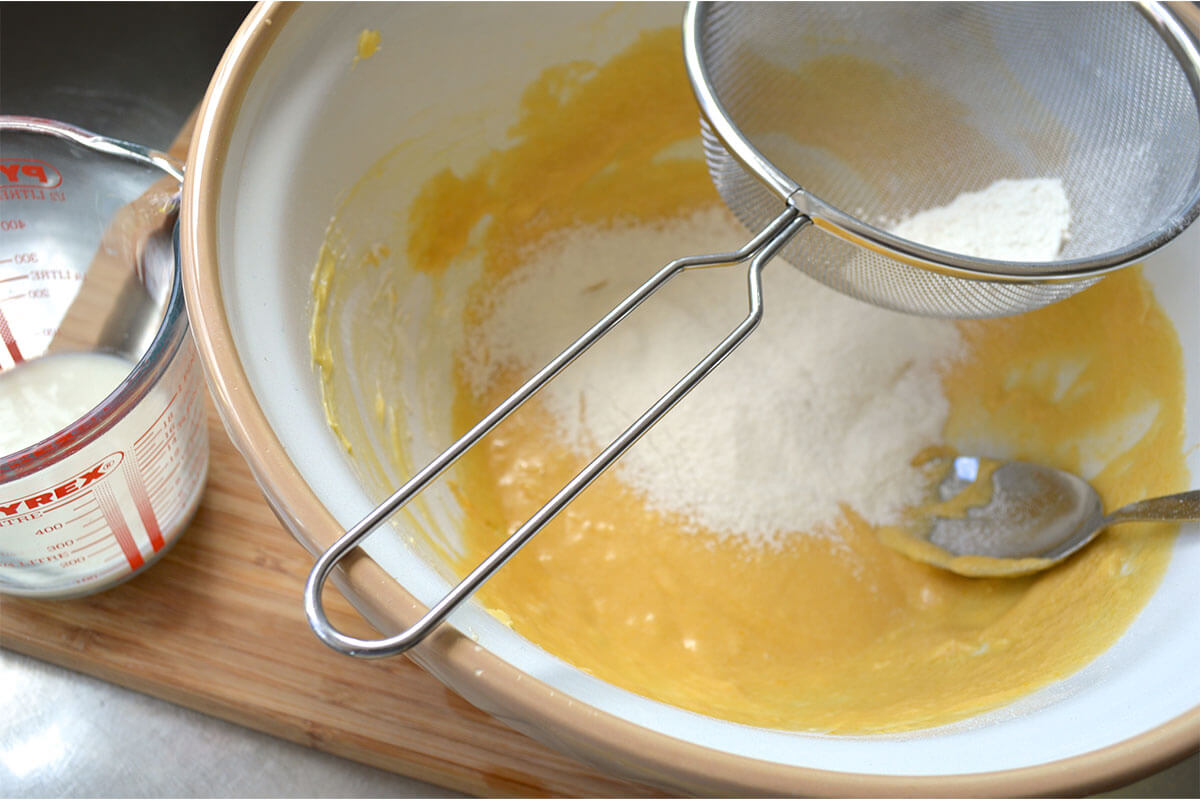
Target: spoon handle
pixel 1182 506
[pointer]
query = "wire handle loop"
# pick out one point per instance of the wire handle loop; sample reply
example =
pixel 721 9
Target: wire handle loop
pixel 761 249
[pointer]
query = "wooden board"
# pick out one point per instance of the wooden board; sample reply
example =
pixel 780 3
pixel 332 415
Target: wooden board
pixel 217 626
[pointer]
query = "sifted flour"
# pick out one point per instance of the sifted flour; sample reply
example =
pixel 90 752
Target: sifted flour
pixel 823 407
pixel 1015 220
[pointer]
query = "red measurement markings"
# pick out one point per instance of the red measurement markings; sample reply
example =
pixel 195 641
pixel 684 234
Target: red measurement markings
pixel 89 541
pixel 153 479
pixel 105 541
pixel 156 448
pixel 116 522
pixel 161 472
pixel 164 485
pixel 159 453
pixel 84 515
pixel 154 426
pixel 198 449
pixel 98 525
pixel 153 450
pixel 141 502
pixel 10 343
pixel 156 476
pixel 161 495
pixel 89 502
pixel 173 488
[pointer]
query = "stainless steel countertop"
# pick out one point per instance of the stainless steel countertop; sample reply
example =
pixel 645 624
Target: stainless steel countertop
pixel 70 735
pixel 135 71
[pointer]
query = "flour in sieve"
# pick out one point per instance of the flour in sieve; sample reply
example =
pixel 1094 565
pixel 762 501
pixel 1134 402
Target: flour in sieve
pixel 823 407
pixel 1014 220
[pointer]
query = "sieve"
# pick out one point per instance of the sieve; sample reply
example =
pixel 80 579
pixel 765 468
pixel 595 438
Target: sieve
pixel 1105 97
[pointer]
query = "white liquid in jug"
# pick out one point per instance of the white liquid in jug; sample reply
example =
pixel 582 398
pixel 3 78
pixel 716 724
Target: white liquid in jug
pixel 41 397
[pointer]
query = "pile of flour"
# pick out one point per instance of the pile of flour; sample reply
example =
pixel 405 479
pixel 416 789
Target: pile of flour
pixel 823 406
pixel 1013 220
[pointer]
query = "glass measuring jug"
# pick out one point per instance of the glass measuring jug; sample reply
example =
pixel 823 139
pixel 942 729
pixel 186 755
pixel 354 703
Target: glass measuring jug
pixel 103 444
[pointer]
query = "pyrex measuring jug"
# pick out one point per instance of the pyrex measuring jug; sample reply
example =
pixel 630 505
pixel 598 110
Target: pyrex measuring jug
pixel 103 445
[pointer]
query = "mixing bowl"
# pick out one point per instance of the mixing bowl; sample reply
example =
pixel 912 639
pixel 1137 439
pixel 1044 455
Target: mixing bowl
pixel 295 116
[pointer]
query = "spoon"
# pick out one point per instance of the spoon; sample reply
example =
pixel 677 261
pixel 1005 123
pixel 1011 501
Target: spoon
pixel 1010 518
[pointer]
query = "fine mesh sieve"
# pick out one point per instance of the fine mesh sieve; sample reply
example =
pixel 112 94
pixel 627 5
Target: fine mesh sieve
pixel 923 101
pixel 883 110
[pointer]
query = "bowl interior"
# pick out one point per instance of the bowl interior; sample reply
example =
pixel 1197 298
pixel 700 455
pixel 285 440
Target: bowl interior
pixel 313 121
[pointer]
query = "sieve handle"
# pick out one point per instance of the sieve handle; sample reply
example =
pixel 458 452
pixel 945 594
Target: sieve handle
pixel 760 249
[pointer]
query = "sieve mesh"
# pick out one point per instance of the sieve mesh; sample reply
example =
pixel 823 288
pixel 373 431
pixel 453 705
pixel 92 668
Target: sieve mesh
pixel 881 110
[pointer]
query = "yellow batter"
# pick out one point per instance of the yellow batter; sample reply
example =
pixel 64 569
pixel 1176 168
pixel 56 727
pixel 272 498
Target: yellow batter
pixel 367 45
pixel 850 638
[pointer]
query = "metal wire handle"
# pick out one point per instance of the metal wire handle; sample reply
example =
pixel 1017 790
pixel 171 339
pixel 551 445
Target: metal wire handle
pixel 761 249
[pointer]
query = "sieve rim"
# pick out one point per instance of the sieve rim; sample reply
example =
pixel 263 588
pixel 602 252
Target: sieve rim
pixel 848 227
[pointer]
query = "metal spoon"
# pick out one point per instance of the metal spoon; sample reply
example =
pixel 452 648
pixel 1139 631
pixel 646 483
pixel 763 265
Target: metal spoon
pixel 1014 517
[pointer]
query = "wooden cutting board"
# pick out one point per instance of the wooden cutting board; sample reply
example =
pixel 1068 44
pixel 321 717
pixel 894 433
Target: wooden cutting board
pixel 217 625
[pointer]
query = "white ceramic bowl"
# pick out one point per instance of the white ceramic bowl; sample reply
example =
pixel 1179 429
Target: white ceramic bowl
pixel 287 126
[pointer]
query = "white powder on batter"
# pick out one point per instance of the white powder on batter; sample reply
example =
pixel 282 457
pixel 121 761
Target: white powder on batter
pixel 823 406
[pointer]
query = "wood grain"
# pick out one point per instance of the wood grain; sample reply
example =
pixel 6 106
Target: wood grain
pixel 217 626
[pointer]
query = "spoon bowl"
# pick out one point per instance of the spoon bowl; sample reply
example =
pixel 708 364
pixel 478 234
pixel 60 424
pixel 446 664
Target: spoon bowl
pixel 1008 518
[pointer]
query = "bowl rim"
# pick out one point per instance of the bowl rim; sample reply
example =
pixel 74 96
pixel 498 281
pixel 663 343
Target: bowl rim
pixel 499 688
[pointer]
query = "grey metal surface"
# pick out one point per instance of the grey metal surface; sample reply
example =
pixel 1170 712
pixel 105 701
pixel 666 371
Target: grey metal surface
pixel 130 71
pixel 70 735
